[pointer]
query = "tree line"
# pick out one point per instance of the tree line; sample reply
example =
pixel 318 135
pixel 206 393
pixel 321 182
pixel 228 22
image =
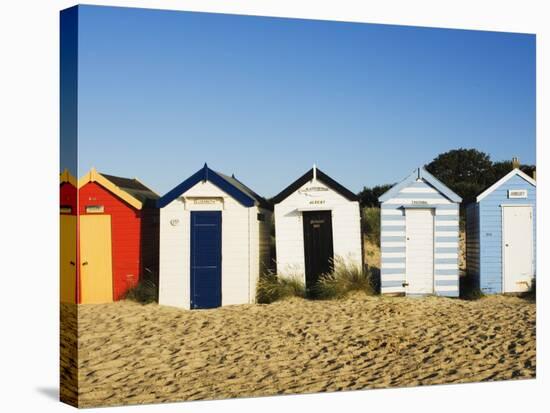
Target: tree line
pixel 467 172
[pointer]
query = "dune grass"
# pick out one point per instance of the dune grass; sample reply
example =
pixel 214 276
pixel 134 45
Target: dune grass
pixel 144 292
pixel 346 277
pixel 273 287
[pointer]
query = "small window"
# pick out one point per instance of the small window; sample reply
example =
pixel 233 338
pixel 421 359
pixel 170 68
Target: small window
pixel 261 217
pixel 94 209
pixel 64 209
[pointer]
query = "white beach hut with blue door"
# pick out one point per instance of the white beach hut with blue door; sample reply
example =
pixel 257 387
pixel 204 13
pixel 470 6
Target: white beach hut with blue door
pixel 317 220
pixel 501 235
pixel 214 242
pixel 420 237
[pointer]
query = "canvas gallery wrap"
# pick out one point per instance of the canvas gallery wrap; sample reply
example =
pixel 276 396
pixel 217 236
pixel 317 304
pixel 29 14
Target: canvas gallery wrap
pixel 255 206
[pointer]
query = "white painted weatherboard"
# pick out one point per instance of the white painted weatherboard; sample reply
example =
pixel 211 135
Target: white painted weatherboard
pixel 245 246
pixel 289 238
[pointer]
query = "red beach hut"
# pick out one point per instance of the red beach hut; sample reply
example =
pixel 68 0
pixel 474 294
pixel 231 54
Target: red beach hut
pixel 118 236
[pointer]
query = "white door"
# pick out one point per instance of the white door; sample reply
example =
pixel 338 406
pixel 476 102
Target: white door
pixel 517 248
pixel 419 263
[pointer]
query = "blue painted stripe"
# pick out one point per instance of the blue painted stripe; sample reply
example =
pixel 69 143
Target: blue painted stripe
pixel 446 283
pixel 422 196
pixel 399 186
pixel 439 227
pixel 419 184
pixel 394 249
pixel 400 260
pixel 390 284
pixel 441 250
pixel 393 271
pixel 393 218
pixel 448 206
pixel 446 260
pixel 436 206
pixel 446 272
pixel 426 177
pixel 446 239
pixel 446 218
pixel 392 239
pixel 393 227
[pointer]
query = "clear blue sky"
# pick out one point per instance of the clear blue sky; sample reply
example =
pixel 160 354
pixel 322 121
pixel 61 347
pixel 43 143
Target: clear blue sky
pixel 162 92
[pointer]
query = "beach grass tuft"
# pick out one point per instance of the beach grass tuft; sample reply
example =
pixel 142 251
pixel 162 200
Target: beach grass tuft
pixel 144 292
pixel 273 287
pixel 346 277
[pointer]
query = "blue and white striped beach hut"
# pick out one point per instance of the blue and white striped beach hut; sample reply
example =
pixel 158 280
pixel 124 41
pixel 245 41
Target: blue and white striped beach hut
pixel 500 235
pixel 420 237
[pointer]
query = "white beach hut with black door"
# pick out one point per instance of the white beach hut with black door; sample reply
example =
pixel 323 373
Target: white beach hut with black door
pixel 214 242
pixel 501 235
pixel 316 220
pixel 420 237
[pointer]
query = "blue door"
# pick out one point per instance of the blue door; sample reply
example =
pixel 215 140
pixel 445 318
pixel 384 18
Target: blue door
pixel 206 259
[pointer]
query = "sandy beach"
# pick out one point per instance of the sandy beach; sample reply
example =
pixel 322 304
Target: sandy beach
pixel 131 353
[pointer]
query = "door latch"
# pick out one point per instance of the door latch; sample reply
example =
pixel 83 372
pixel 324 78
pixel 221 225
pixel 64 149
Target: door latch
pixel 405 284
pixel 85 263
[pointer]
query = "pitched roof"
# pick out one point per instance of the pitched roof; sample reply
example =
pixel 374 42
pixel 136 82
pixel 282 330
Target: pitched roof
pixel 229 184
pixel 133 187
pixel 420 173
pixel 131 191
pixel 261 201
pixel 504 179
pixel 309 176
pixel 67 177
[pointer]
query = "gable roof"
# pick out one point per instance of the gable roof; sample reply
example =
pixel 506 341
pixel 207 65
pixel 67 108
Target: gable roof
pixel 504 179
pixel 229 184
pixel 131 191
pixel 420 173
pixel 309 176
pixel 135 188
pixel 67 177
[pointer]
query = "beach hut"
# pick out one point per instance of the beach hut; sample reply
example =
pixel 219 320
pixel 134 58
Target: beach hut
pixel 118 236
pixel 317 220
pixel 67 233
pixel 419 237
pixel 500 235
pixel 214 241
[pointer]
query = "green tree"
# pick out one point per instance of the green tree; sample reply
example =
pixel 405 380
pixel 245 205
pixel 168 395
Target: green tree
pixel 501 168
pixel 368 197
pixel 528 169
pixel 466 171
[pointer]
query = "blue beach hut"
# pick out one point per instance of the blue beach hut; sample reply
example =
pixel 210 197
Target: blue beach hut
pixel 500 235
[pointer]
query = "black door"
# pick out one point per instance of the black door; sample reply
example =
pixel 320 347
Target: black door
pixel 318 250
